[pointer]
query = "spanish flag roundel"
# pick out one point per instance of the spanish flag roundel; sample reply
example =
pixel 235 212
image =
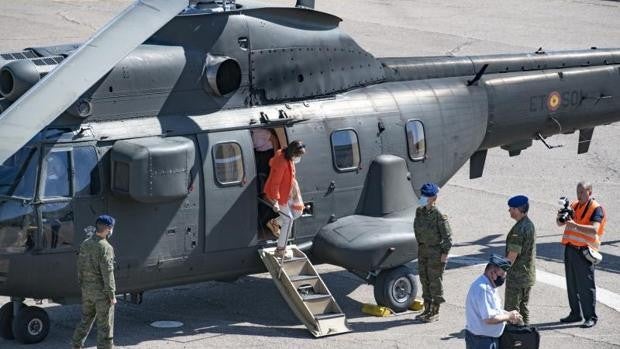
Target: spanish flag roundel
pixel 553 101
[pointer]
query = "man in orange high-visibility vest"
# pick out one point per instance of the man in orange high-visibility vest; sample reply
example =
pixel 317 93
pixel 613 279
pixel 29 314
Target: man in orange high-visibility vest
pixel 582 231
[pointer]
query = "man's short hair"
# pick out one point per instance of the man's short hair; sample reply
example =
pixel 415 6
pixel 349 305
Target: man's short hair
pixel 524 208
pixel 585 185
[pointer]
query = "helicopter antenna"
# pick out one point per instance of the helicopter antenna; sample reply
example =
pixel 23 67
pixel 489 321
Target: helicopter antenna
pixel 478 75
pixel 542 139
pixel 305 4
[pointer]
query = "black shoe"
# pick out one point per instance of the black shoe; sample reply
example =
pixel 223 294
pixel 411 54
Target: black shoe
pixel 571 318
pixel 588 323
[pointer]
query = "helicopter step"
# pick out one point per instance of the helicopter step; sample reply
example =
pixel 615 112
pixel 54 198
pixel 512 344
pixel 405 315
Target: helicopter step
pixel 305 292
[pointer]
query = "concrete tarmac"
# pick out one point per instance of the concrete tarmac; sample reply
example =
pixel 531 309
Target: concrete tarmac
pixel 250 311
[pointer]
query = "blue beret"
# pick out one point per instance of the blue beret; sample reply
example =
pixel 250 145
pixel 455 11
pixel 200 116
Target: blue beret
pixel 500 262
pixel 106 220
pixel 429 189
pixel 517 201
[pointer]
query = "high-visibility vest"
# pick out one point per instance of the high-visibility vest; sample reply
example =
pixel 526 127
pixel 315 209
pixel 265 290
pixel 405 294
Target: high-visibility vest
pixel 582 216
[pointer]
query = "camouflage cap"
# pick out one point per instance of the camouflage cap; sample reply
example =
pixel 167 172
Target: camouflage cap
pixel 500 261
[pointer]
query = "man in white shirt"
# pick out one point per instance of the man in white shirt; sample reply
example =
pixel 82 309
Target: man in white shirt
pixel 484 312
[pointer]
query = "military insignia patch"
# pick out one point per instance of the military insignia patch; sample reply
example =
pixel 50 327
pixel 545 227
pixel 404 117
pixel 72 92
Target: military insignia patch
pixel 553 101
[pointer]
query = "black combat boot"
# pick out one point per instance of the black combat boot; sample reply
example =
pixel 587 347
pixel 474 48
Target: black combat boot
pixel 427 310
pixel 433 315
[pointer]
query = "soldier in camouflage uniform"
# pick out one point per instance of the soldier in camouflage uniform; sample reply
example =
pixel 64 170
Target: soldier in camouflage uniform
pixel 434 237
pixel 96 278
pixel 521 251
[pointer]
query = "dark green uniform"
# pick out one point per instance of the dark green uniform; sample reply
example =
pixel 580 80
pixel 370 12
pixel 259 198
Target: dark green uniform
pixel 434 237
pixel 96 277
pixel 522 275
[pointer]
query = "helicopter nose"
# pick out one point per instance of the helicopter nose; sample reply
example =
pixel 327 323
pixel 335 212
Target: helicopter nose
pixel 17 227
pixel 4 274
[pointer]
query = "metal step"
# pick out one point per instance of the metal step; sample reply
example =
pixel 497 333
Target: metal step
pixel 328 316
pixel 305 292
pixel 303 278
pixel 315 297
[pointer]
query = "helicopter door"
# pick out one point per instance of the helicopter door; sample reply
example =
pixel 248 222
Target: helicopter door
pixel 56 208
pixel 70 188
pixel 230 190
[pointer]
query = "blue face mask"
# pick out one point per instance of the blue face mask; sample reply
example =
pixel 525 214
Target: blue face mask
pixel 423 201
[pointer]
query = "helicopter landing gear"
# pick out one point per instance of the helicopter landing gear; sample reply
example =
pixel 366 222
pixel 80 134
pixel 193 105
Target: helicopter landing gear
pixel 23 323
pixel 395 288
pixel 6 321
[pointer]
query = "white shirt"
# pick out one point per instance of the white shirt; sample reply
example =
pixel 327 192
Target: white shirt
pixel 483 303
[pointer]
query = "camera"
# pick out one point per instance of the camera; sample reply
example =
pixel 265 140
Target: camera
pixel 566 211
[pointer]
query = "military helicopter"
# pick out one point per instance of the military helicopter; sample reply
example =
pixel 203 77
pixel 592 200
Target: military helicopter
pixel 152 123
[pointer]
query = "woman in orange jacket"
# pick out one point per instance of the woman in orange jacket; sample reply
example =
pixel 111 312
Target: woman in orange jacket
pixel 280 184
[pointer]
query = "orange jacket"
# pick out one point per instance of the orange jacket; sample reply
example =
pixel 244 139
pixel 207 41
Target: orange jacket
pixel 579 239
pixel 280 180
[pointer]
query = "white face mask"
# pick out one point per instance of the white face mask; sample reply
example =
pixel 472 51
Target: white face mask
pixel 423 201
pixel 110 233
pixel 296 159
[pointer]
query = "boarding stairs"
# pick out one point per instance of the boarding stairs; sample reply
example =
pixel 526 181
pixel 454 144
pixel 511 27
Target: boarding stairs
pixel 305 292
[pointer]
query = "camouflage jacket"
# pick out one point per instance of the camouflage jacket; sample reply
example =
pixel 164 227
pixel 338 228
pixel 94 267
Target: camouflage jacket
pixel 432 229
pixel 522 240
pixel 96 267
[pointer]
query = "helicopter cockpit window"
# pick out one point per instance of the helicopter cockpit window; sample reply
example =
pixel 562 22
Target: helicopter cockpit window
pixel 416 142
pixel 57 174
pixel 228 163
pixel 18 174
pixel 86 172
pixel 345 150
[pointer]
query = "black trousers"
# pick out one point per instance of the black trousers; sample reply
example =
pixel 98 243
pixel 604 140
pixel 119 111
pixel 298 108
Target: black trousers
pixel 580 283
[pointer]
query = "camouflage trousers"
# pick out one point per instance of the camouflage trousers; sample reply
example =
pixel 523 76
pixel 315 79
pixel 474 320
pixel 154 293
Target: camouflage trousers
pixel 430 269
pixel 99 308
pixel 517 298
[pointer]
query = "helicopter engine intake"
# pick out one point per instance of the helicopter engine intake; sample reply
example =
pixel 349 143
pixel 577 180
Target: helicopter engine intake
pixel 17 77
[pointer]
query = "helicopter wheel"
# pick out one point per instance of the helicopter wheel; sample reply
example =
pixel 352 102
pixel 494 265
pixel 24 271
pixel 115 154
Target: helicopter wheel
pixel 395 288
pixel 31 325
pixel 6 321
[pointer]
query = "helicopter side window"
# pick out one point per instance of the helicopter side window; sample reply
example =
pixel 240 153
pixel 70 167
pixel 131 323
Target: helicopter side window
pixel 228 163
pixel 416 142
pixel 345 150
pixel 57 174
pixel 87 181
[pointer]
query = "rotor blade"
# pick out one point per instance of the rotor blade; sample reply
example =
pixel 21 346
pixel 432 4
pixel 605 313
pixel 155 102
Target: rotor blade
pixel 49 98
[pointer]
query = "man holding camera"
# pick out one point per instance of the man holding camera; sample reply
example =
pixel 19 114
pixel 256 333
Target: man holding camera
pixel 583 228
pixel 521 252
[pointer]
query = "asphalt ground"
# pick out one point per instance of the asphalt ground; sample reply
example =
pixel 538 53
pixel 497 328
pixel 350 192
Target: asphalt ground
pixel 250 311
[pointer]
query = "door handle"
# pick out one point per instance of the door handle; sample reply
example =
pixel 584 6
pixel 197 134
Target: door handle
pixel 330 188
